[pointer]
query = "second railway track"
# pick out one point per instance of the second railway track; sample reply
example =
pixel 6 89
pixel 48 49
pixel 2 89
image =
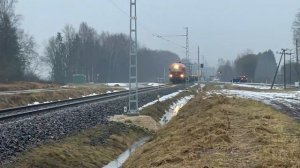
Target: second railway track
pixel 17 112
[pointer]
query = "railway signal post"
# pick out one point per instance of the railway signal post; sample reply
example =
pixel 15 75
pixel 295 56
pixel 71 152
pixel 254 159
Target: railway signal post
pixel 133 63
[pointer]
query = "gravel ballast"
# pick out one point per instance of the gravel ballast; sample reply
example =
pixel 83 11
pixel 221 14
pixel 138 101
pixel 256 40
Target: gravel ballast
pixel 18 136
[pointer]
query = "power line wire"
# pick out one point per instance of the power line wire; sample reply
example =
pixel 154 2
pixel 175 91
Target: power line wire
pixel 146 29
pixel 119 8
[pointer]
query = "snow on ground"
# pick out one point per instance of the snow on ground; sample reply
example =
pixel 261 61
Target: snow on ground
pixel 121 85
pixel 118 84
pixel 126 85
pixel 289 101
pixel 34 103
pixel 256 86
pixel 68 87
pixel 93 94
pixel 174 109
pixel 154 84
pixel 166 97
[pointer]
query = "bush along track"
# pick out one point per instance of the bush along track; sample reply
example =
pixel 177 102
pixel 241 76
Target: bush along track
pixel 217 131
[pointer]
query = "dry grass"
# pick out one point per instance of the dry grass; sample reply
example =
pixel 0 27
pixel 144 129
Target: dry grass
pixel 142 121
pixel 91 148
pixel 157 110
pixel 9 101
pixel 150 116
pixel 223 132
pixel 26 86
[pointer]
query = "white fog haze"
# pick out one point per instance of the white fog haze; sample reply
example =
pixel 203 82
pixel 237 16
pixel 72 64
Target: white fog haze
pixel 223 29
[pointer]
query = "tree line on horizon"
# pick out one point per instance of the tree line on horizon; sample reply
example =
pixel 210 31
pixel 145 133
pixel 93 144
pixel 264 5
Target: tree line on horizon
pixel 100 57
pixel 259 68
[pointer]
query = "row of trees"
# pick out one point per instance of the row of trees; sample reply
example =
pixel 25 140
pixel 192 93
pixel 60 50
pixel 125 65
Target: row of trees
pixel 296 27
pixel 259 67
pixel 101 57
pixel 17 48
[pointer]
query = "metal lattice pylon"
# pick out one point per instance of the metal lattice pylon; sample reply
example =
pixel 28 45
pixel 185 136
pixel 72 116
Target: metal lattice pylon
pixel 188 66
pixel 133 64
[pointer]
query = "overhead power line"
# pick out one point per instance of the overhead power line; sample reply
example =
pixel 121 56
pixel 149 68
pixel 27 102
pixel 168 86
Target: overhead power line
pixel 156 35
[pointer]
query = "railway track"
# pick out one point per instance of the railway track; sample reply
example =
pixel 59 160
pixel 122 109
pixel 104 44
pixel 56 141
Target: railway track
pixel 23 111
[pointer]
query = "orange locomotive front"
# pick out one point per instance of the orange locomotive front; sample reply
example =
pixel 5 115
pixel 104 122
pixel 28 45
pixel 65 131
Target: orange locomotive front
pixel 177 73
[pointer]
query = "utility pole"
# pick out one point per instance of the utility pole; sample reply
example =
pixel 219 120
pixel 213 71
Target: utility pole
pixel 283 55
pixel 297 54
pixel 133 63
pixel 290 54
pixel 297 58
pixel 187 82
pixel 277 70
pixel 284 68
pixel 291 69
pixel 199 86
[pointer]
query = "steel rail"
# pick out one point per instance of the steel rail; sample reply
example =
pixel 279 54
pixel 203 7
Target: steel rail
pixel 12 113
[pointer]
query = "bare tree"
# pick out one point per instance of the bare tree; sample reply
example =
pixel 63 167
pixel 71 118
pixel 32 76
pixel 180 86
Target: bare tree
pixel 296 27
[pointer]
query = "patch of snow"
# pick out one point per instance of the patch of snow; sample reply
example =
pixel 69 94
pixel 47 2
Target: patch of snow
pixel 67 86
pixel 155 84
pixel 166 97
pixel 108 92
pixel 93 94
pixel 118 84
pixel 174 109
pixel 125 155
pixel 290 99
pixel 256 86
pixel 34 103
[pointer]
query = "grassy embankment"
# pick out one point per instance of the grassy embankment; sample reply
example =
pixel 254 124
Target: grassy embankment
pixel 8 101
pixel 80 150
pixel 91 148
pixel 26 86
pixel 223 132
pixel 150 116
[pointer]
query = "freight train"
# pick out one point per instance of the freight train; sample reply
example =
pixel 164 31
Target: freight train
pixel 178 73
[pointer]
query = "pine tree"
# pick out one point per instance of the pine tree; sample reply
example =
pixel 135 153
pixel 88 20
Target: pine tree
pixel 11 65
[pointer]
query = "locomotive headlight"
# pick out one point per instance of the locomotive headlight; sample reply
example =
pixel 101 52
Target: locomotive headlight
pixel 182 75
pixel 176 66
pixel 171 76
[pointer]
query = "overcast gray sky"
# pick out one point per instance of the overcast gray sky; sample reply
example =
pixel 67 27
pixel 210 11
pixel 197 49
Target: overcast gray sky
pixel 222 28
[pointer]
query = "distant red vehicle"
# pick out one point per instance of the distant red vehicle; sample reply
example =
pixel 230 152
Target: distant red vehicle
pixel 177 73
pixel 241 79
